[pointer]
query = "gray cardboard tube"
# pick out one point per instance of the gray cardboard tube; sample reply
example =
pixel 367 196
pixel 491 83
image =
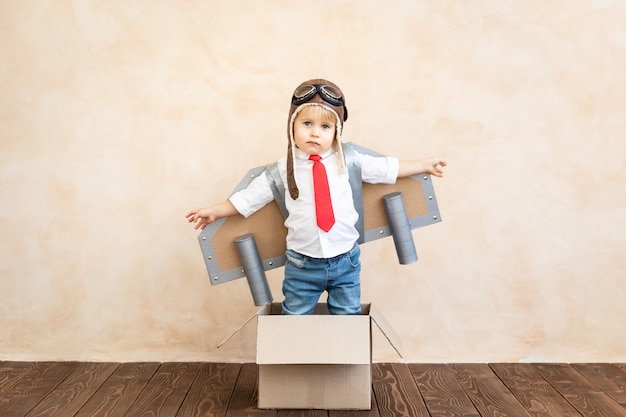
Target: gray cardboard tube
pixel 400 228
pixel 253 268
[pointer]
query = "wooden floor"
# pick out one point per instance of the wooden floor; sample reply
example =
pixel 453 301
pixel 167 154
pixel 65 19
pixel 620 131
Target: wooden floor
pixel 71 389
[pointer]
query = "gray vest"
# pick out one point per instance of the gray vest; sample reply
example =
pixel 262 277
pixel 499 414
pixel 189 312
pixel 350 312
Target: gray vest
pixel 356 183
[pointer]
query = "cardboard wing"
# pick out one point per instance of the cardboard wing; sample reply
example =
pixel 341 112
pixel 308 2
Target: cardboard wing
pixel 222 259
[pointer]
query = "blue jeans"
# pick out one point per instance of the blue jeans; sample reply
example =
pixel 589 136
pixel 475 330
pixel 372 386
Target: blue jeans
pixel 307 278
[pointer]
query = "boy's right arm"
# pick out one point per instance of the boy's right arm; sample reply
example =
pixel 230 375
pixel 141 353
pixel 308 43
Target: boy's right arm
pixel 204 216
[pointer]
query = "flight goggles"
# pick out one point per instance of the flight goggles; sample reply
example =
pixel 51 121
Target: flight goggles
pixel 328 93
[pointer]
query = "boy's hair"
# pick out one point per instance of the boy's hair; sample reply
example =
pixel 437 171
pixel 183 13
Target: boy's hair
pixel 319 111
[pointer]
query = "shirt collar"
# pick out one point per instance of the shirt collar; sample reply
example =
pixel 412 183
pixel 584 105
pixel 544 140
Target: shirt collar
pixel 303 155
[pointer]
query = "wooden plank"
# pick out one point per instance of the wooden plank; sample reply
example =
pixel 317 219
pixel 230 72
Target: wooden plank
pixel 487 392
pixel 35 389
pixel 585 396
pixel 302 413
pixel 373 412
pixel 166 390
pixel 532 391
pixel 119 392
pixel 442 393
pixel 621 366
pixel 11 372
pixel 245 395
pixel 211 391
pixel 396 391
pixel 33 386
pixel 69 396
pixel 607 377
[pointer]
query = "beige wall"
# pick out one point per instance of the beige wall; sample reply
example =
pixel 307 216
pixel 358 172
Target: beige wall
pixel 117 117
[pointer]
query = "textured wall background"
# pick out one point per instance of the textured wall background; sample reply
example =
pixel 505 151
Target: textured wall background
pixel 117 117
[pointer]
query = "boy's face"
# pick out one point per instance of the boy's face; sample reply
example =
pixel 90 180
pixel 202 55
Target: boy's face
pixel 313 133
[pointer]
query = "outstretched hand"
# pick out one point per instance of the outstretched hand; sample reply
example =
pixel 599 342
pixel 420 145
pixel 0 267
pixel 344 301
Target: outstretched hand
pixel 434 166
pixel 201 217
pixel 207 215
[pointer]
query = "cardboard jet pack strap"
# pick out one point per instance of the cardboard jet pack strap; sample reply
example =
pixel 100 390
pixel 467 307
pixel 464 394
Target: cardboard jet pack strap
pixel 217 240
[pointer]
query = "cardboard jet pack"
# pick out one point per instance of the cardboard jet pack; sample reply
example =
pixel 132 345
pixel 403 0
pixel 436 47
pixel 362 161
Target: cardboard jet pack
pixel 217 240
pixel 320 361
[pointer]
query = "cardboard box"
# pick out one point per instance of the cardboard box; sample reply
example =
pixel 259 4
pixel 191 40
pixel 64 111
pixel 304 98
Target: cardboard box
pixel 321 361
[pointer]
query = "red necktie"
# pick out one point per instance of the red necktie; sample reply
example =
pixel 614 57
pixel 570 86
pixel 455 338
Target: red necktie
pixel 323 205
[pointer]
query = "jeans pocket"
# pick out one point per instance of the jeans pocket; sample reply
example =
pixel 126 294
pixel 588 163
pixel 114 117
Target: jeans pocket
pixel 295 259
pixel 355 256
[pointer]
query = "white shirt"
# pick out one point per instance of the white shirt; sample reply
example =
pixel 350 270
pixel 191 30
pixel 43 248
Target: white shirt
pixel 303 235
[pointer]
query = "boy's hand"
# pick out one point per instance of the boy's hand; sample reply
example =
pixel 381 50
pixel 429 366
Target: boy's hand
pixel 207 215
pixel 201 217
pixel 434 166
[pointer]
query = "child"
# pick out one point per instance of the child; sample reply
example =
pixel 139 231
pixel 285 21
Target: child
pixel 322 250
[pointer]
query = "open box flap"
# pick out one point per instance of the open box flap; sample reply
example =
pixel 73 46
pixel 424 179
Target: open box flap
pixel 386 329
pixel 380 321
pixel 264 310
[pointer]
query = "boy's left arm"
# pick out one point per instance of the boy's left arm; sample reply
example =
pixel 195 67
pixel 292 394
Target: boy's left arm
pixel 433 166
